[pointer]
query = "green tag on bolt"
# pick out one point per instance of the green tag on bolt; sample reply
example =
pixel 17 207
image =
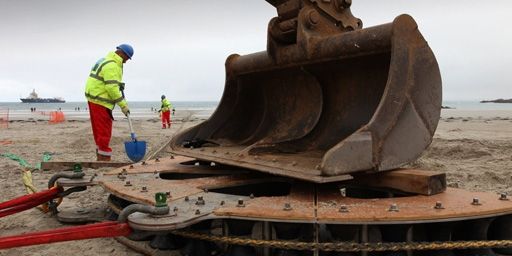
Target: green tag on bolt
pixel 160 199
pixel 77 167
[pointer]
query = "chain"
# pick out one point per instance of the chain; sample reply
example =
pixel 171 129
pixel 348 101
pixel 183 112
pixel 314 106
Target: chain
pixel 345 246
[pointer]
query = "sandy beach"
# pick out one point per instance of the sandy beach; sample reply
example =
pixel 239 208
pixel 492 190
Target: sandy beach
pixel 474 148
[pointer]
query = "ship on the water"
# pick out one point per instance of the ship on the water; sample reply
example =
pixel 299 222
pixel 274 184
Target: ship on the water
pixel 34 98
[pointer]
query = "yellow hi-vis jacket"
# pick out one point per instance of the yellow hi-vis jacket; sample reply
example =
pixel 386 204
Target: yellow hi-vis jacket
pixel 104 86
pixel 166 105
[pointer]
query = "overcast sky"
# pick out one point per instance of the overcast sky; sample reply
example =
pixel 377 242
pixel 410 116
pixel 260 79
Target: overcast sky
pixel 181 46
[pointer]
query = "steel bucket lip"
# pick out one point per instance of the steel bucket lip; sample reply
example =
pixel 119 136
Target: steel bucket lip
pixel 135 150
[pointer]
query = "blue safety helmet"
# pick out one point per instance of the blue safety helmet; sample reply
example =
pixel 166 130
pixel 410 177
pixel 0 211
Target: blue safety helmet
pixel 127 49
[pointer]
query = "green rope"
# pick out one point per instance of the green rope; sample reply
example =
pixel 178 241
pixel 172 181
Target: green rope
pixel 47 156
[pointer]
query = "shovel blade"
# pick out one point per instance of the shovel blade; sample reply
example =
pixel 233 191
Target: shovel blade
pixel 135 150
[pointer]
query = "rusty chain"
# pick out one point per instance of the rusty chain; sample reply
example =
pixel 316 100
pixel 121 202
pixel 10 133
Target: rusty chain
pixel 345 246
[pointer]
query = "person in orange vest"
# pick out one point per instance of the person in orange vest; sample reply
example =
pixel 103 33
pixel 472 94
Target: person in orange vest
pixel 165 112
pixel 103 90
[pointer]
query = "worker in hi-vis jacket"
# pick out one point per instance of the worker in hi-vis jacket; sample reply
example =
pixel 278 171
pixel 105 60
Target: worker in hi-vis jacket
pixel 165 112
pixel 104 89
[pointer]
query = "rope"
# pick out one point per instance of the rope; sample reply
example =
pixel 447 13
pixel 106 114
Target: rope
pixel 346 246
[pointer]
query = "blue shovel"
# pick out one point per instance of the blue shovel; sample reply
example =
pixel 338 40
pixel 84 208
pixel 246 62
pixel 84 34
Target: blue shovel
pixel 135 149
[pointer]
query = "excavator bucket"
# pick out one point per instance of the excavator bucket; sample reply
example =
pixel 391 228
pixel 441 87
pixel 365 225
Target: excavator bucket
pixel 326 100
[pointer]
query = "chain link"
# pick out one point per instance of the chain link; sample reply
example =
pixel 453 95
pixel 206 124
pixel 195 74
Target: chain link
pixel 345 246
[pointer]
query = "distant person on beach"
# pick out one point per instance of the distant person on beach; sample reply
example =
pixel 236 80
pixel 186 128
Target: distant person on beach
pixel 165 112
pixel 104 89
pixel 173 110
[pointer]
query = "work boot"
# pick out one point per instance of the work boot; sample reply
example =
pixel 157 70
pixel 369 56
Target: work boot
pixel 102 158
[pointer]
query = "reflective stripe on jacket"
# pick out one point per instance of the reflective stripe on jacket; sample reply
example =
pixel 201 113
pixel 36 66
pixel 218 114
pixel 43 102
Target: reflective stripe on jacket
pixel 104 85
pixel 166 105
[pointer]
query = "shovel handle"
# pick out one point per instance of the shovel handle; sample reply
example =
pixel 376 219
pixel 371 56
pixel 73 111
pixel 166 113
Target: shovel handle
pixel 132 133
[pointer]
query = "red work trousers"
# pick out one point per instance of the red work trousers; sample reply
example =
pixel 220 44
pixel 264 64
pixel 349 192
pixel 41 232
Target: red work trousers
pixel 166 119
pixel 101 121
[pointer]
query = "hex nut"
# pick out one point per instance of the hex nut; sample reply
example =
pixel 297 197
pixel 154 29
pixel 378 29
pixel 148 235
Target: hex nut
pixel 476 201
pixel 200 201
pixel 393 208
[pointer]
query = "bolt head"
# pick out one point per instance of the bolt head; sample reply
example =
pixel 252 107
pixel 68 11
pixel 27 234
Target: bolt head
pixel 200 200
pixel 186 199
pixel 503 197
pixel 476 201
pixel 313 17
pixel 287 207
pixel 393 208
pixel 439 205
pixel 198 212
pixel 240 203
pixel 343 208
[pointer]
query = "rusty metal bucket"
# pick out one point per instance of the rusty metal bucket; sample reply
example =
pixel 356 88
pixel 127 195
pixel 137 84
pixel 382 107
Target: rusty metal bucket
pixel 326 99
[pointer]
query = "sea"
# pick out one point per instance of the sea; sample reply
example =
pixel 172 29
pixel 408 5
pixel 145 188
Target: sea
pixel 201 109
pixel 78 110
